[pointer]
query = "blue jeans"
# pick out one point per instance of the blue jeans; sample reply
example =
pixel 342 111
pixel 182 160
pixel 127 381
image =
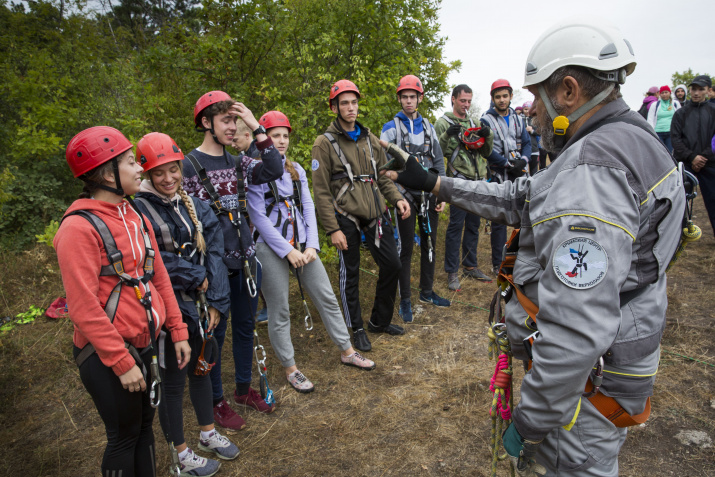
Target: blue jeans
pixel 460 219
pixel 665 139
pixel 243 308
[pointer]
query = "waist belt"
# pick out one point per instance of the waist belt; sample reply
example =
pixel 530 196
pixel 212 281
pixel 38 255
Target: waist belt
pixel 360 178
pixel 89 350
pixel 606 405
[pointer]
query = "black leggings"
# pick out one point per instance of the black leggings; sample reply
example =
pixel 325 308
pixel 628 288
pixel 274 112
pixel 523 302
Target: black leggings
pixel 174 383
pixel 127 420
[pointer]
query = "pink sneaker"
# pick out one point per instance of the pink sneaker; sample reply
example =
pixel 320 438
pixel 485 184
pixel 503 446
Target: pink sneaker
pixel 358 361
pixel 225 417
pixel 254 400
pixel 299 382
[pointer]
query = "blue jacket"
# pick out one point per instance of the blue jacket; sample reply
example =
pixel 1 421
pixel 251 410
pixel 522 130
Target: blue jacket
pixel 186 273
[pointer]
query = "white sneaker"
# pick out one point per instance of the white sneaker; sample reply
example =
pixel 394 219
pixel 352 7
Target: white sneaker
pixel 193 465
pixel 219 445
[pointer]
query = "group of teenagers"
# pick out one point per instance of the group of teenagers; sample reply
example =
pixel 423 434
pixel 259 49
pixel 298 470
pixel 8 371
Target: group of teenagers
pixel 163 248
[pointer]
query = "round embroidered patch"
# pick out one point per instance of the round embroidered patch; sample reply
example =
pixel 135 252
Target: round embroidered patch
pixel 314 165
pixel 580 263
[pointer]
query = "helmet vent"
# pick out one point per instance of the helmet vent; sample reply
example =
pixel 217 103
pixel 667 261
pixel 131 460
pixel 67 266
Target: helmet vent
pixel 531 68
pixel 176 149
pixel 79 154
pixel 608 51
pixel 630 48
pixel 106 139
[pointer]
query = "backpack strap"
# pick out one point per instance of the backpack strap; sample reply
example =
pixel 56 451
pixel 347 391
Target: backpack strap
pixel 241 190
pixel 341 156
pixel 168 241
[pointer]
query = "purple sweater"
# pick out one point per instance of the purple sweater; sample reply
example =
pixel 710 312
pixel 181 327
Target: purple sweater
pixel 269 233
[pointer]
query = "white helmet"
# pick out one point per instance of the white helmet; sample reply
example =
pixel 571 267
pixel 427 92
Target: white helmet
pixel 595 45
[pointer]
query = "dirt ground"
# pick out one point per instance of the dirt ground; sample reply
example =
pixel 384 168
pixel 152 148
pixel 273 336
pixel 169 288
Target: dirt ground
pixel 423 411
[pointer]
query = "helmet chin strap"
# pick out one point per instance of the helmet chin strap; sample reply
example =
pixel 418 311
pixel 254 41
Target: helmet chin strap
pixel 118 190
pixel 561 123
pixel 211 130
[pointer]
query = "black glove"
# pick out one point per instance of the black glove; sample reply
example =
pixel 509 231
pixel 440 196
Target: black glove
pixel 518 165
pixel 484 131
pixel 416 177
pixel 454 130
pixel 411 174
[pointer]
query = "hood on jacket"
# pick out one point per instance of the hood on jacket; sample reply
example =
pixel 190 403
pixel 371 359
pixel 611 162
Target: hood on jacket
pixel 148 187
pixel 417 124
pixel 492 111
pixel 650 99
pixel 336 128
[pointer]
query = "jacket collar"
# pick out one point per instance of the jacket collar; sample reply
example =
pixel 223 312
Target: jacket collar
pixel 609 110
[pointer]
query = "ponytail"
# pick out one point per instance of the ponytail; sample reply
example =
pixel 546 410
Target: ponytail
pixel 290 168
pixel 200 242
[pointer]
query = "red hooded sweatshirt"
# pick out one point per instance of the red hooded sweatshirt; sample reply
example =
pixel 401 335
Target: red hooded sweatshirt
pixel 81 254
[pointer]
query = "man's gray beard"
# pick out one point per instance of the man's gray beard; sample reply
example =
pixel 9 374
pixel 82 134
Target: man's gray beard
pixel 546 131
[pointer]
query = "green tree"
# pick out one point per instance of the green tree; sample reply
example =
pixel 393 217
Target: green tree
pixel 141 66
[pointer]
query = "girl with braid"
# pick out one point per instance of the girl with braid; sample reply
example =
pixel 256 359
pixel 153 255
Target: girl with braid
pixel 191 244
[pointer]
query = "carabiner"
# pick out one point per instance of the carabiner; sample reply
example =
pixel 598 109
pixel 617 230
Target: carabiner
pixel 252 289
pixel 175 469
pixel 155 394
pixel 308 318
pixel 155 389
pixel 597 379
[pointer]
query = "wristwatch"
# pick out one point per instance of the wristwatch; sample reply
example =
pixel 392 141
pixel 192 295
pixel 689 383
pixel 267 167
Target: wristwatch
pixel 259 130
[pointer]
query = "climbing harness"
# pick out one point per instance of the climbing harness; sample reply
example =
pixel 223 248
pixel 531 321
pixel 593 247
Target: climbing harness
pixel 606 405
pixel 423 153
pixel 370 179
pixel 234 215
pixel 116 267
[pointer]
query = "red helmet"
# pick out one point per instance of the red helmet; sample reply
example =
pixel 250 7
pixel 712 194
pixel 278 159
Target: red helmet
pixel 156 149
pixel 343 86
pixel 207 100
pixel 471 138
pixel 93 147
pixel 500 84
pixel 410 82
pixel 274 119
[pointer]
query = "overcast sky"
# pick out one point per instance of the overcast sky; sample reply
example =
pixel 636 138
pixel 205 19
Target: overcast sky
pixel 493 39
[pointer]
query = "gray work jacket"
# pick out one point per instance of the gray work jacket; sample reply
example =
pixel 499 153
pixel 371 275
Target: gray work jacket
pixel 598 229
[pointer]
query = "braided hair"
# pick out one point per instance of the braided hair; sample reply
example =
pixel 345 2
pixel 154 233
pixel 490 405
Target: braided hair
pixel 200 242
pixel 290 168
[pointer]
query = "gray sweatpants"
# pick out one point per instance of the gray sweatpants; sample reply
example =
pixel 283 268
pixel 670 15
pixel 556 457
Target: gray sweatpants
pixel 275 290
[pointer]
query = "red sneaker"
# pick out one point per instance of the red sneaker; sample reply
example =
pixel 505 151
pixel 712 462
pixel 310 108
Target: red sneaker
pixel 225 417
pixel 254 400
